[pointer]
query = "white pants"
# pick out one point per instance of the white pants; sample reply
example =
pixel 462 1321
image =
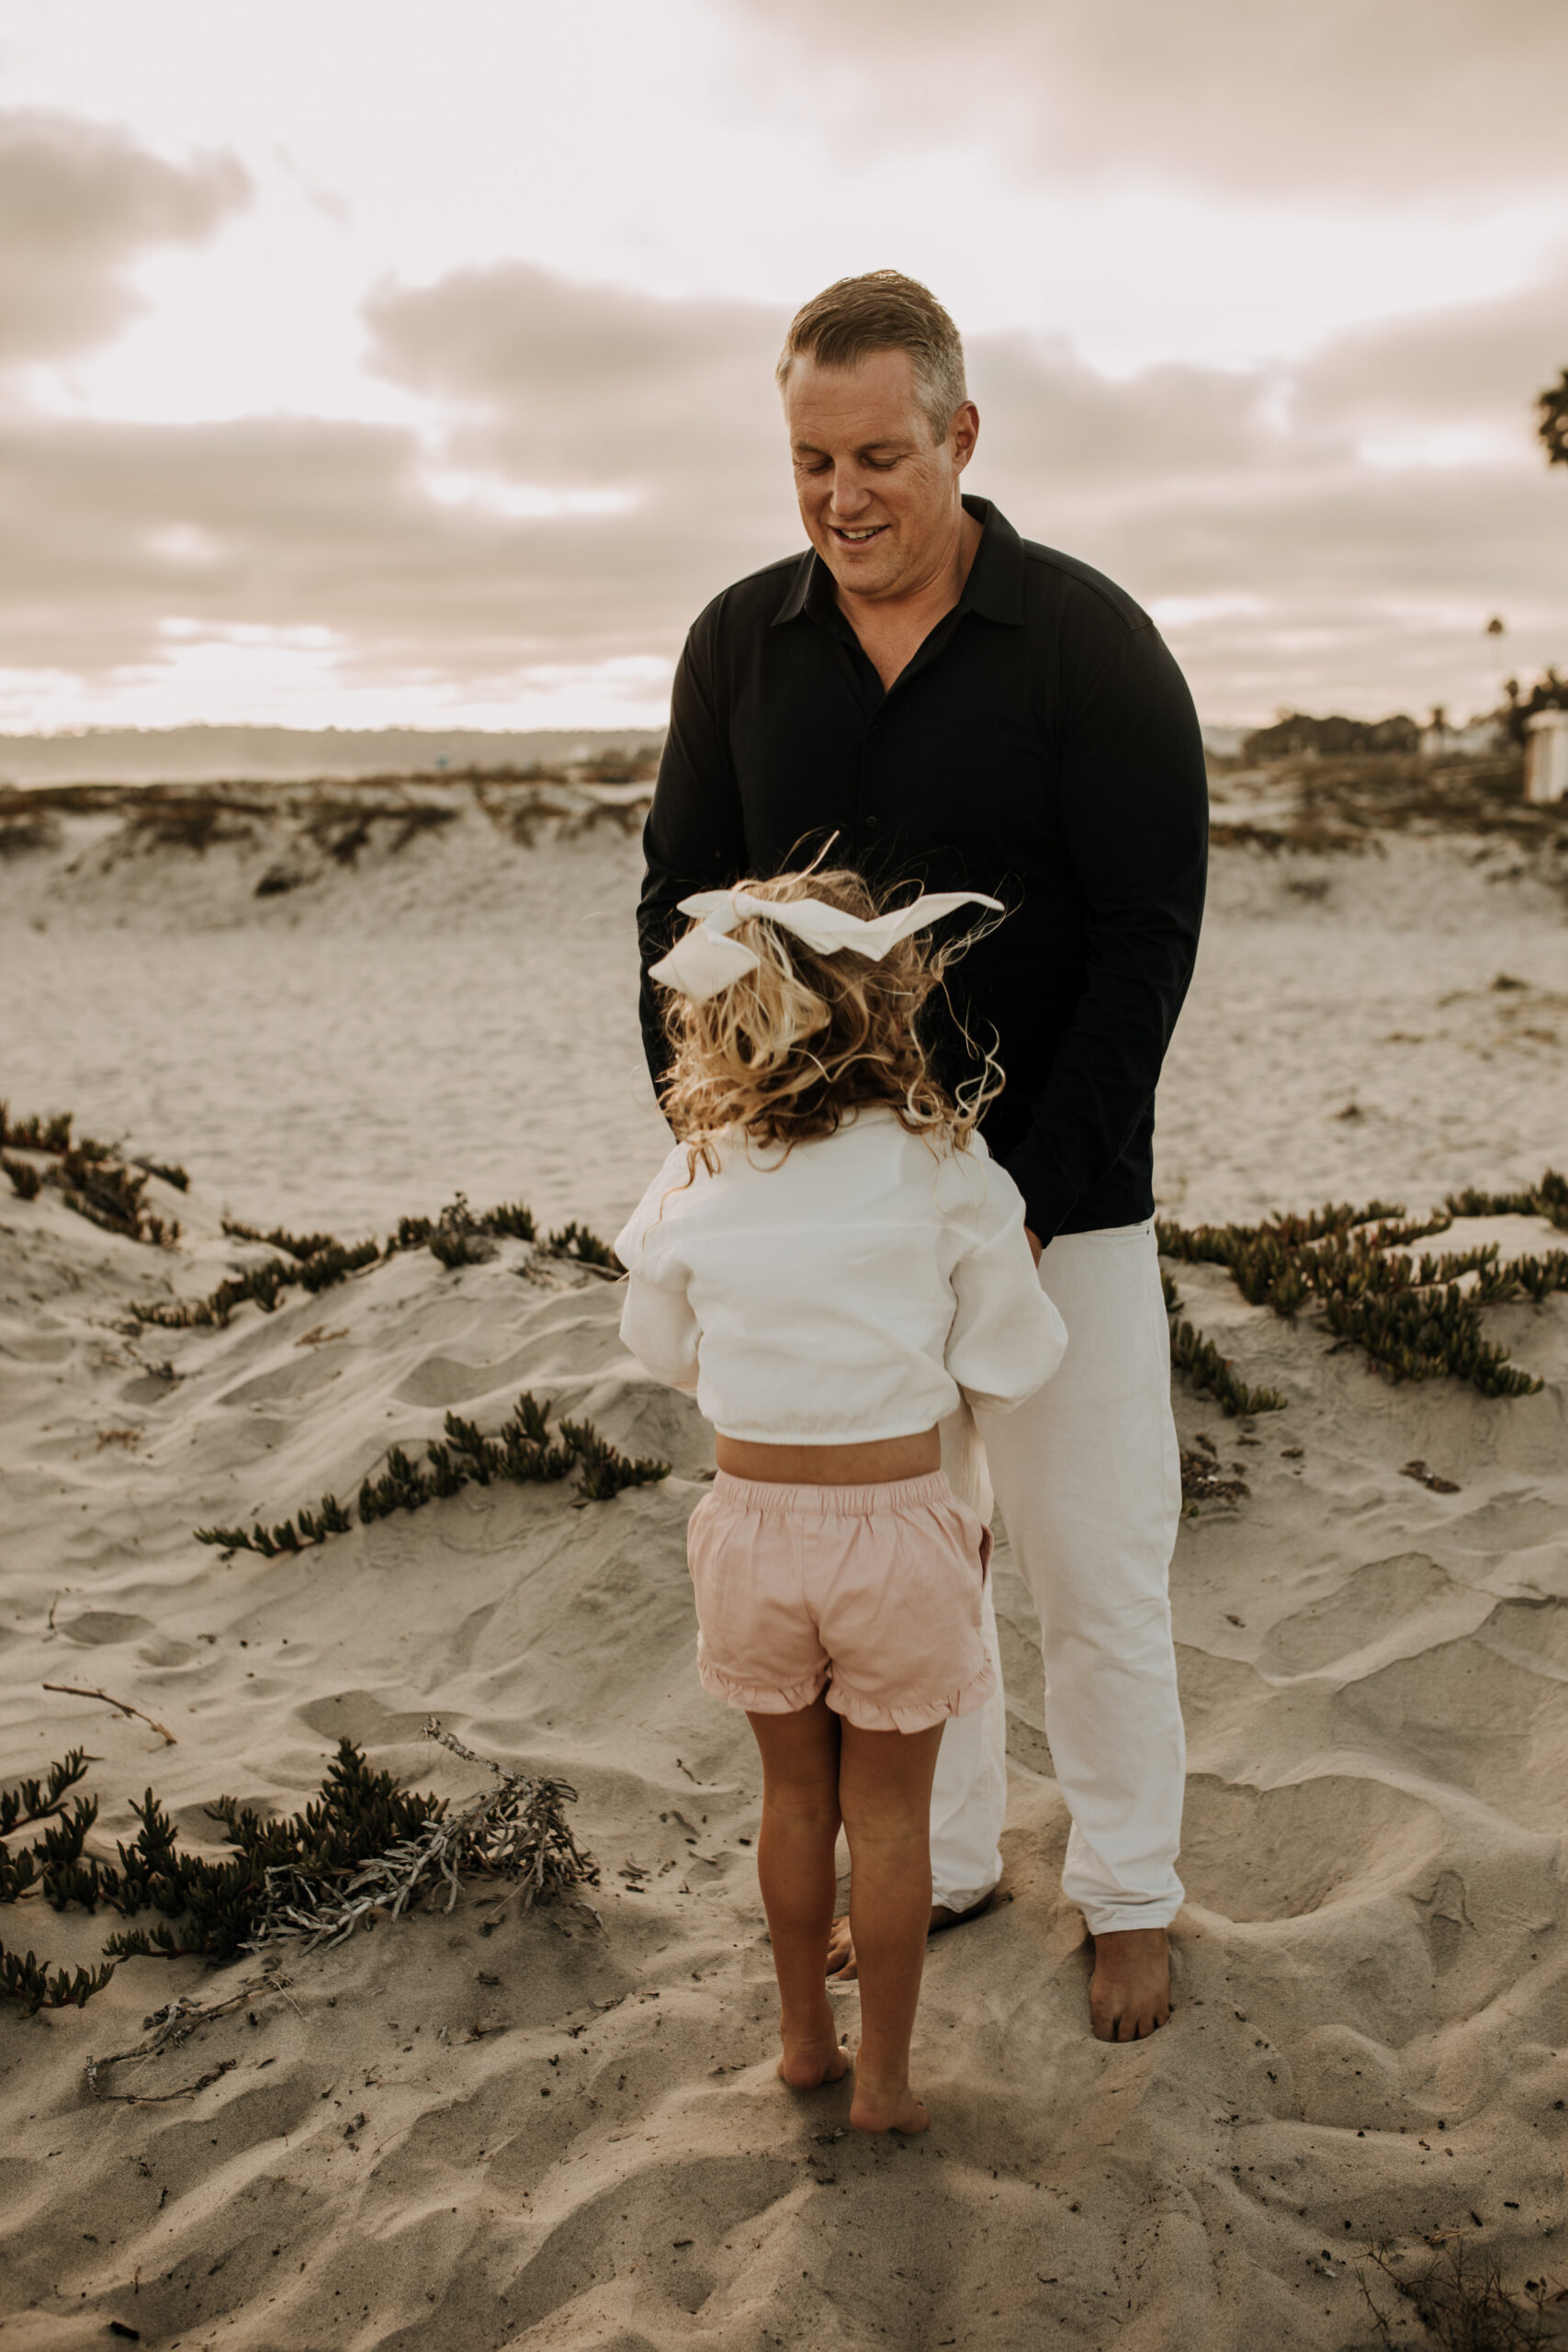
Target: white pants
pixel 1088 1479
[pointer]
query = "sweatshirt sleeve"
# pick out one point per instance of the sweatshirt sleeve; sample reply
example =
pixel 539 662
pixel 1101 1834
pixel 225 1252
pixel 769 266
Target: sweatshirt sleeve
pixel 1006 1337
pixel 659 1329
pixel 657 1322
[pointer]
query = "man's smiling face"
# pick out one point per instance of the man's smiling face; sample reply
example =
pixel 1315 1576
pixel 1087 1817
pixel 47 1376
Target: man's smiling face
pixel 878 496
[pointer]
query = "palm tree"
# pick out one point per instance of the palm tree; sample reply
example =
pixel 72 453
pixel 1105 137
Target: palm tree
pixel 1552 411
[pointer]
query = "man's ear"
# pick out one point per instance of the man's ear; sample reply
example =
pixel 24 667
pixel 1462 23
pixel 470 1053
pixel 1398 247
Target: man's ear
pixel 963 433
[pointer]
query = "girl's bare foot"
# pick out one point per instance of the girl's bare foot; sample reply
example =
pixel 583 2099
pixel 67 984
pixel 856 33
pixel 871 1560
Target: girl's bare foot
pixel 891 2108
pixel 811 2059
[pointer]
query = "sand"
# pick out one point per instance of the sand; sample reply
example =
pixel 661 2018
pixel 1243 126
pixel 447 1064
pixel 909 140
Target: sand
pixel 1370 2040
pixel 459 1012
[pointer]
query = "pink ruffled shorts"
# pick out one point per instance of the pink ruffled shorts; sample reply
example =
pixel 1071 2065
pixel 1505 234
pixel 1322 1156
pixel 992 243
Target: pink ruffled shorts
pixel 872 1593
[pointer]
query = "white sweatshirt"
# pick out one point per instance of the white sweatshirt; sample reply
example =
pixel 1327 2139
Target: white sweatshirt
pixel 849 1290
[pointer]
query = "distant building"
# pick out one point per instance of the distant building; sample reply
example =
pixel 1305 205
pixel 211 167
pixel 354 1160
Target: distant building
pixel 1482 735
pixel 1546 755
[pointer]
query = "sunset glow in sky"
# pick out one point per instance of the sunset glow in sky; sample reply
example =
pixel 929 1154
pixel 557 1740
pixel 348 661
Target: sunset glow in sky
pixel 362 363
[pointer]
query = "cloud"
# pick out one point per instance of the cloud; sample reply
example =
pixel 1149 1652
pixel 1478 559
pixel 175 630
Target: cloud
pixel 1339 529
pixel 1474 361
pixel 594 465
pixel 303 524
pixel 77 204
pixel 589 386
pixel 1340 98
pixel 418 551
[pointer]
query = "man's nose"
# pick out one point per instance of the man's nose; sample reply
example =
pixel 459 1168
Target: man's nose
pixel 848 495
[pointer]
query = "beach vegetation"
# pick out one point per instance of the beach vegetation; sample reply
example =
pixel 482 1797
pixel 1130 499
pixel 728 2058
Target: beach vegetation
pixel 523 1453
pixel 34 1134
pixel 325 1265
pixel 342 828
pixel 362 1844
pixel 293 1245
pixel 108 1194
pixel 192 821
pixel 515 1220
pixel 1460 2298
pixel 620 767
pixel 262 1283
pixel 1548 1199
pixel 167 1171
pixel 92 1177
pixel 20 836
pixel 1347 802
pixel 1551 421
pixel 317 1262
pixel 1208 1370
pixel 458 1237
pixel 1413 1316
pixel 583 1247
pixel 1205 1478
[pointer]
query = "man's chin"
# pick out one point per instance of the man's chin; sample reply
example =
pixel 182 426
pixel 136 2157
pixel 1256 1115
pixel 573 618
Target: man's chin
pixel 871 573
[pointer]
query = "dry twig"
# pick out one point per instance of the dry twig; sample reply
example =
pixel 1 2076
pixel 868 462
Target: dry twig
pixel 172 2028
pixel 75 1690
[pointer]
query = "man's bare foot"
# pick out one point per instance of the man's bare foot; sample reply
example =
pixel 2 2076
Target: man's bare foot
pixel 891 2108
pixel 841 1965
pixel 1129 1993
pixel 811 2059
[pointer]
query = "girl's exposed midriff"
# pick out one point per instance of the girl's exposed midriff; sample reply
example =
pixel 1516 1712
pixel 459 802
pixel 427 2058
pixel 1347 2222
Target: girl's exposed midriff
pixel 878 1461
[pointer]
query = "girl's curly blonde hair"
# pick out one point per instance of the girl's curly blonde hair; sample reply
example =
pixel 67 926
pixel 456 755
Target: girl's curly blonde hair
pixel 789 1050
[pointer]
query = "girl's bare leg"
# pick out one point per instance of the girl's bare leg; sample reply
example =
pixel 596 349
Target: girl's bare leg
pixel 794 1864
pixel 884 1791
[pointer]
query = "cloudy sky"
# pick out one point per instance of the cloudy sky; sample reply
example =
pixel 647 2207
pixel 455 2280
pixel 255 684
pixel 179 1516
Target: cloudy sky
pixel 364 363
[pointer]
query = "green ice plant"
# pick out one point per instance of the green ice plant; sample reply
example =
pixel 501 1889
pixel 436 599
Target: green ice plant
pixel 298 1872
pixel 523 1453
pixel 92 1177
pixel 1407 1312
pixel 316 1262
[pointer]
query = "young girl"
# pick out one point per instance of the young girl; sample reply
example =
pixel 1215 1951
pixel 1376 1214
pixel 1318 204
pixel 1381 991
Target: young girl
pixel 830 1258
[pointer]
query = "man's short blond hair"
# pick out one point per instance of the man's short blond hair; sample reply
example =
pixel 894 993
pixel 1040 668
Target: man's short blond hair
pixel 882 310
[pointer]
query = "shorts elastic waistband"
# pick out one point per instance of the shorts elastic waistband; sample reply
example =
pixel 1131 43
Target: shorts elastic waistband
pixel 834 1502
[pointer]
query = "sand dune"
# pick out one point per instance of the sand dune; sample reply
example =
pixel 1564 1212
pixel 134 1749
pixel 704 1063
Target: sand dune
pixel 570 2134
pixel 451 1006
pixel 486 2129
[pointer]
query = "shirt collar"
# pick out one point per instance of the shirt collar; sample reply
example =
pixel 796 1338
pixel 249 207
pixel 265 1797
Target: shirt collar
pixel 994 588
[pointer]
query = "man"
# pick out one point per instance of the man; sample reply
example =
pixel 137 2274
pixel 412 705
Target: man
pixel 954 707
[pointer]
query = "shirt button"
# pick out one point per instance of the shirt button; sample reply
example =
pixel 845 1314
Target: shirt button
pixel 870 824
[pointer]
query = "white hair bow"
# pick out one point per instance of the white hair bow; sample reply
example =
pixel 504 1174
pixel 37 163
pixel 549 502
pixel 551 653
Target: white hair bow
pixel 708 959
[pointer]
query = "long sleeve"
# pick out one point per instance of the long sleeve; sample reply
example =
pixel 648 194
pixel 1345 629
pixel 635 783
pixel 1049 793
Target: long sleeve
pixel 1007 1338
pixel 659 1329
pixel 694 837
pixel 1133 800
pixel 657 1322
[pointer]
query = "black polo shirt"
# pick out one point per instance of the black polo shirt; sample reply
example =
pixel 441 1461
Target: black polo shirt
pixel 1042 746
